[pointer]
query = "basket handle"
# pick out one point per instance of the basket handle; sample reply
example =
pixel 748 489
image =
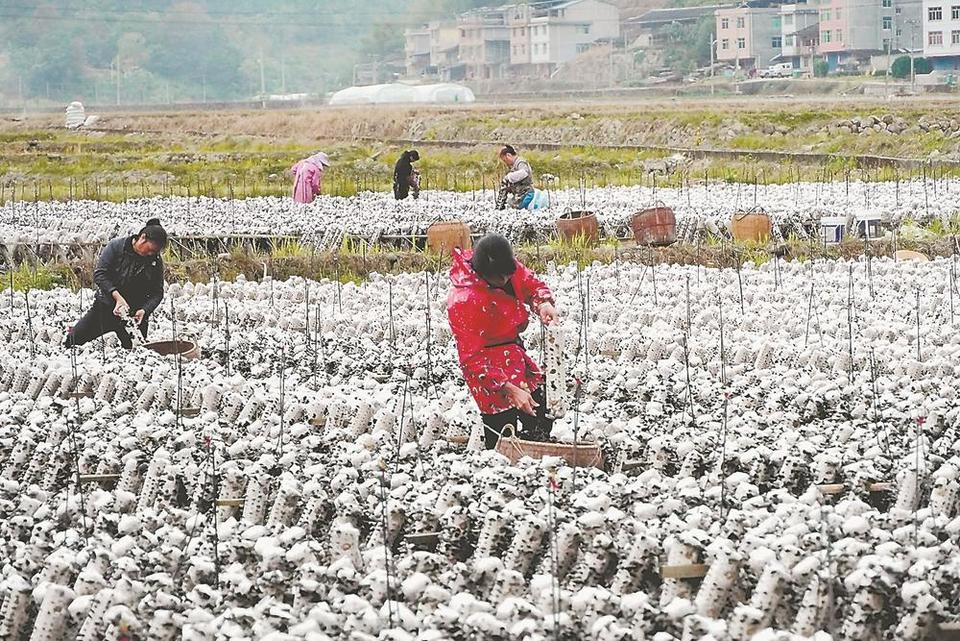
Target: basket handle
pixel 509 434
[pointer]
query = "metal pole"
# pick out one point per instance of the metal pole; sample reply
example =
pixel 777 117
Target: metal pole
pixel 913 48
pixel 886 76
pixel 263 83
pixel 713 43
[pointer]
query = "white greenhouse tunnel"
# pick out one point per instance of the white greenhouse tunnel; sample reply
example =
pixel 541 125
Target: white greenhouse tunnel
pixel 396 93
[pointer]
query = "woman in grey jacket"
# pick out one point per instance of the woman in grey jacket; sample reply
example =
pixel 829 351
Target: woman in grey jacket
pixel 129 280
pixel 518 182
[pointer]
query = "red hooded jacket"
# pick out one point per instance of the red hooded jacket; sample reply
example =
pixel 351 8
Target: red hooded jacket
pixel 486 323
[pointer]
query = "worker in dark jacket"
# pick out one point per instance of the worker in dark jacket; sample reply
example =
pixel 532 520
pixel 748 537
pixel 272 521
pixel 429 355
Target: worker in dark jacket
pixel 405 176
pixel 129 280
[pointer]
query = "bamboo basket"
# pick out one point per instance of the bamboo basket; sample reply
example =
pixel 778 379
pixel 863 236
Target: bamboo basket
pixel 579 455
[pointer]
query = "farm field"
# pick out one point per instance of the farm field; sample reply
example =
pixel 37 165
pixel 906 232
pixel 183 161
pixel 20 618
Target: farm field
pixel 774 421
pixel 789 431
pixel 240 154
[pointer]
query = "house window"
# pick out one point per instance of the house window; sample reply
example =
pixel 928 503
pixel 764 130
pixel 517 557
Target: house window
pixel 886 44
pixel 724 23
pixel 836 16
pixel 887 4
pixel 955 12
pixel 955 37
pixel 934 14
pixel 789 40
pixel 788 20
pixel 935 38
pixel 825 36
pixel 887 23
pixel 583 28
pixel 741 43
pixel 776 22
pixel 899 32
pixel 776 42
pixel 741 23
pixel 838 35
pixel 899 10
pixel 725 43
pixel 824 15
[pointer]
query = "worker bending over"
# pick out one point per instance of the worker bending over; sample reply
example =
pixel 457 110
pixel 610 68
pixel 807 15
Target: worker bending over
pixel 308 177
pixel 487 309
pixel 517 185
pixel 405 177
pixel 128 276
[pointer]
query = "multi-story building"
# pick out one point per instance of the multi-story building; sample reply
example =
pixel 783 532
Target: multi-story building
pixel 749 37
pixel 800 35
pixel 484 43
pixel 547 34
pixel 650 30
pixel 431 50
pixel 853 30
pixel 444 44
pixel 941 33
pixel 417 51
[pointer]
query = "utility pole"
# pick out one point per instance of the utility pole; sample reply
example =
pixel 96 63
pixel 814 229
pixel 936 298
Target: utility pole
pixel 736 64
pixel 913 56
pixel 713 43
pixel 886 76
pixel 263 82
pixel 611 64
pixel 913 46
pixel 118 78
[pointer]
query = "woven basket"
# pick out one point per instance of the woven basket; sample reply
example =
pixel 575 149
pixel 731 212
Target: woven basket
pixel 579 455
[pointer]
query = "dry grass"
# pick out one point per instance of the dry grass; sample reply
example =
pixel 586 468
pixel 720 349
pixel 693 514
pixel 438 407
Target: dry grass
pixel 233 152
pixel 638 118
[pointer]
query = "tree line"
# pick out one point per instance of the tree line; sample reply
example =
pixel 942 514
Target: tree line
pixel 148 51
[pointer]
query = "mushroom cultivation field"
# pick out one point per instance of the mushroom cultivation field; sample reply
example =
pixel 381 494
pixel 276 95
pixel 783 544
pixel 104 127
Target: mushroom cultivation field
pixel 780 444
pixel 371 216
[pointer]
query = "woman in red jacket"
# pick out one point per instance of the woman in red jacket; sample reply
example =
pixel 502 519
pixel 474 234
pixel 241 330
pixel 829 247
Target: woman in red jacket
pixel 487 308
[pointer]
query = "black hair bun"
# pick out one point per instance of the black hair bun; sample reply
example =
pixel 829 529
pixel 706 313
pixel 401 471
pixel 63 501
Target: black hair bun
pixel 153 221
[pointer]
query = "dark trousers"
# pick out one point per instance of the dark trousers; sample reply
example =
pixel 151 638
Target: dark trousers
pixel 535 428
pixel 98 321
pixel 402 187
